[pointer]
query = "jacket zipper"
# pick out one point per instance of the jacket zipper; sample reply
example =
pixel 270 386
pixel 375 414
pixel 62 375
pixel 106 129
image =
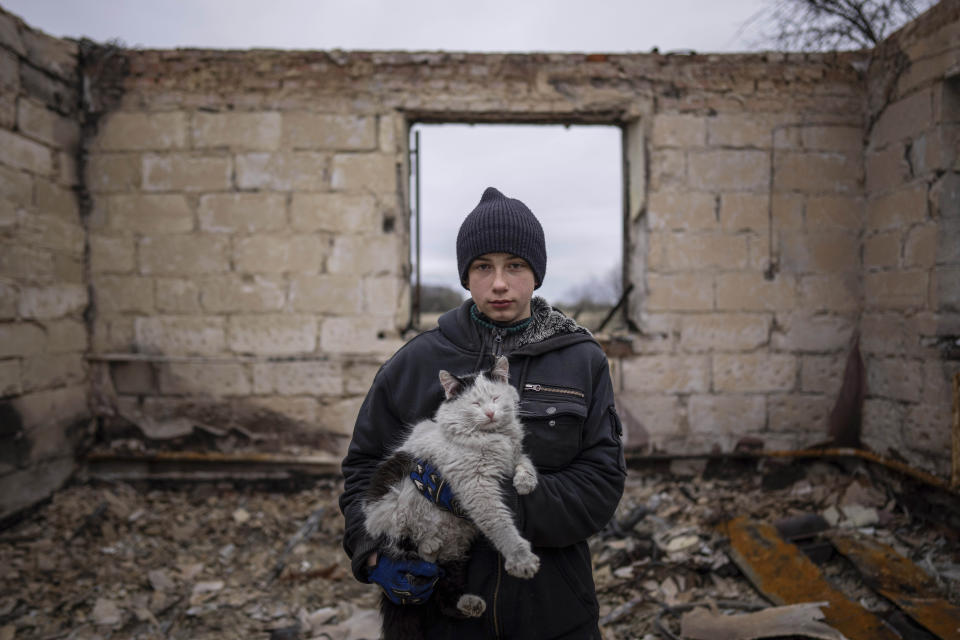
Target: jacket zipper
pixel 548 389
pixel 496 597
pixel 498 338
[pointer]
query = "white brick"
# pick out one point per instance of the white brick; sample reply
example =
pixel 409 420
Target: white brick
pixel 53 301
pixel 273 334
pixel 180 335
pixel 314 377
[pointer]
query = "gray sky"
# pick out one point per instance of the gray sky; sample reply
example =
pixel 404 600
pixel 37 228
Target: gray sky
pixel 570 178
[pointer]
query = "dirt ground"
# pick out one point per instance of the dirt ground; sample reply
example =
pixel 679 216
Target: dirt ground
pixel 217 560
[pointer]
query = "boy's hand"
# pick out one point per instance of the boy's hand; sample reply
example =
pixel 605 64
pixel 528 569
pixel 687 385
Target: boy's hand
pixel 435 488
pixel 405 581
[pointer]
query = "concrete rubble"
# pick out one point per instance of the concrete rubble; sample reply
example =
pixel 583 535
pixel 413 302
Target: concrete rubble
pixel 156 559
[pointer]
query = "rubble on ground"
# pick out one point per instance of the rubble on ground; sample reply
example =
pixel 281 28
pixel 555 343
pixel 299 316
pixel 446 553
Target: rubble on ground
pixel 213 560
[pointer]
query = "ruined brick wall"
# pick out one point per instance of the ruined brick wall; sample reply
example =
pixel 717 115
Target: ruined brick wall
pixel 249 234
pixel 911 251
pixel 43 292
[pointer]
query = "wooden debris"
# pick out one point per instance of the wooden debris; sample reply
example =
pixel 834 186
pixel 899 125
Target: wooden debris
pixel 785 575
pixel 790 620
pixel 304 532
pixel 902 582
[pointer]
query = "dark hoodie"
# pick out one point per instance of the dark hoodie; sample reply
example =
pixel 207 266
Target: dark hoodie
pixel 573 436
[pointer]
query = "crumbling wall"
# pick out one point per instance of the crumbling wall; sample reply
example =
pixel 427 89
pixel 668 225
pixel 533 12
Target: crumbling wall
pixel 249 235
pixel 43 287
pixel 911 252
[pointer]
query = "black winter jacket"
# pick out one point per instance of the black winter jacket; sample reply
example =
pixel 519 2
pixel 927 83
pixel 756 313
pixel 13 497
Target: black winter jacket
pixel 573 436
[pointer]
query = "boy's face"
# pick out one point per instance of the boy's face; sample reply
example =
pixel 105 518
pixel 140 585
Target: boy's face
pixel 501 285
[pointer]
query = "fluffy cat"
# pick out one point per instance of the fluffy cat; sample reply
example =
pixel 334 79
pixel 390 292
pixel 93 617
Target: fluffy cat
pixel 475 441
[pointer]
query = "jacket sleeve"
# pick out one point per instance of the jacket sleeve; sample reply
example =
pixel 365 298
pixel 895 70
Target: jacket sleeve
pixel 577 501
pixel 376 422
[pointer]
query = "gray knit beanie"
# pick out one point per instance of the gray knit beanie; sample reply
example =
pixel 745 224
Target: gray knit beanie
pixel 501 224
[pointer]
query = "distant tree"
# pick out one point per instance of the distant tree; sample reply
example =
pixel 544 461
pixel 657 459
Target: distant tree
pixel 596 292
pixel 824 25
pixel 435 298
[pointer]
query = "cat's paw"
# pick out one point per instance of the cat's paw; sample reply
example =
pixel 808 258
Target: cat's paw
pixel 524 481
pixel 523 564
pixel 471 606
pixel 429 548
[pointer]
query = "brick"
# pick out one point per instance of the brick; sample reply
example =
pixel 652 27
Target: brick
pixel 678 292
pixel 650 419
pixel 68 174
pixel 679 130
pixel 19 152
pixel 118 294
pixel 882 250
pixel 333 294
pixel 820 252
pixel 113 172
pixel 9 301
pixel 233 292
pixel 26 264
pixel 120 131
pixel 55 55
pixel 273 334
pixel 903 119
pixel 744 212
pixel 183 172
pixel 53 199
pixel 10 378
pixel 338 416
pixel 48 371
pixel 896 289
pixel 831 292
pixel 21 339
pixel 724 331
pixel 740 130
pixel 833 138
pixel 729 170
pixel 924 424
pixel 177 295
pixel 947 293
pixel 295 171
pixel 666 373
pixel 236 130
pixel 883 333
pixel 52 232
pixel 689 251
pixel 385 295
pixel 668 169
pixel 112 254
pixel 803 331
pixel 68 269
pixel 800 414
pixel 279 254
pixel 302 409
pixel 682 211
pixel 359 335
pixel 883 424
pixel 392 130
pixel 16 186
pixel 735 415
pixel 54 301
pixel 9 73
pixel 334 132
pixel 818 172
pixel 894 379
pixel 46 126
pixel 750 291
pixel 897 209
pixel 366 172
pixel 365 255
pixel 10 34
pixel 312 377
pixel 216 379
pixel 242 212
pixel 842 212
pixel 136 378
pixel 886 169
pixel 754 372
pixel 56 93
pixel 65 335
pixel 114 335
pixel 8 110
pixel 788 212
pixel 335 212
pixel 149 213
pixel 822 374
pixel 183 255
pixel 46 413
pixel 180 335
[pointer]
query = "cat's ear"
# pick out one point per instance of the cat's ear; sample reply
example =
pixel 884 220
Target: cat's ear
pixel 451 384
pixel 501 370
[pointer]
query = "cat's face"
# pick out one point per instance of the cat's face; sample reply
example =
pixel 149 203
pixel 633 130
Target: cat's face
pixel 480 404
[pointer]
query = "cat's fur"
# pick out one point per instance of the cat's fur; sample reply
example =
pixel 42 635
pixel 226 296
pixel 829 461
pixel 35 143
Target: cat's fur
pixel 475 441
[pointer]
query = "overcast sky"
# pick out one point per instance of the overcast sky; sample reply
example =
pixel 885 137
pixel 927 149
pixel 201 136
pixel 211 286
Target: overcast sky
pixel 570 178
